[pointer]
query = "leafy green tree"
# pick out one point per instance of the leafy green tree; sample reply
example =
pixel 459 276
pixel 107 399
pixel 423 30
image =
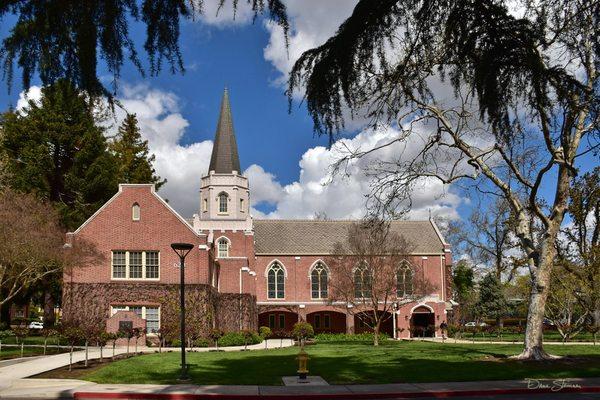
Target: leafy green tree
pixel 132 155
pixel 492 302
pixel 463 288
pixel 55 149
pixel 57 39
pixel 478 93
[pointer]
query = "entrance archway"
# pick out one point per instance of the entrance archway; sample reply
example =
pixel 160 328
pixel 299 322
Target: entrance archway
pixel 278 320
pixel 422 322
pixel 327 321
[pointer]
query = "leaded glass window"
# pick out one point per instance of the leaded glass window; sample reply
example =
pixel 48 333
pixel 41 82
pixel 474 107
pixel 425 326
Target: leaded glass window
pixel 276 282
pixel 318 281
pixel 405 281
pixel 362 282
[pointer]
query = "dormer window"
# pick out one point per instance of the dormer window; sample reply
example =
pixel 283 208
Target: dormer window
pixel 223 199
pixel 135 212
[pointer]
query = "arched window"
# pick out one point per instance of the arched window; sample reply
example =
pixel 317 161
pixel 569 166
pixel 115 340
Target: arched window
pixel 222 248
pixel 135 212
pixel 362 281
pixel 223 199
pixel 318 281
pixel 276 281
pixel 404 277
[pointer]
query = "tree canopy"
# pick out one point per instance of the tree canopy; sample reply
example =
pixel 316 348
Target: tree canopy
pixel 55 149
pixel 60 39
pixel 132 154
pixel 471 91
pixel 31 244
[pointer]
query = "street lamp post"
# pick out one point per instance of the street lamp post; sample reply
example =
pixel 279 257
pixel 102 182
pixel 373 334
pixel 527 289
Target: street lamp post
pixel 182 250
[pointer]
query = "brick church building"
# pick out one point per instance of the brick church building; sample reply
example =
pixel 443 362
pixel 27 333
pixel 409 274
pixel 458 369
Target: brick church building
pixel 242 272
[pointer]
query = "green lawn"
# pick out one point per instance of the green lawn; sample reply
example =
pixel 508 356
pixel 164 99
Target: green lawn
pixel 15 352
pixel 52 340
pixel 518 338
pixel 355 363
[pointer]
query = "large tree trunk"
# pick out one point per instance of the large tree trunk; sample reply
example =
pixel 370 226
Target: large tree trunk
pixel 376 333
pixel 534 348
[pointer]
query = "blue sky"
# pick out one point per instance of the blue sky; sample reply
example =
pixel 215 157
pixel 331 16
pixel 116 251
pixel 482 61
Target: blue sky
pixel 286 164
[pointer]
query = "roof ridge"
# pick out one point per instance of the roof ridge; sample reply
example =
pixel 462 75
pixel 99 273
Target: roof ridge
pixel 330 220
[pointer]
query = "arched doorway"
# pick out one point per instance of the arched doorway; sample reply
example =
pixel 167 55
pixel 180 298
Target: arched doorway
pixel 278 320
pixel 363 323
pixel 422 322
pixel 327 321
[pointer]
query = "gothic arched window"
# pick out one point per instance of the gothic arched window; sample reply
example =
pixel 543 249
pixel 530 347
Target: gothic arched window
pixel 318 281
pixel 135 212
pixel 223 199
pixel 276 281
pixel 404 278
pixel 362 281
pixel 222 248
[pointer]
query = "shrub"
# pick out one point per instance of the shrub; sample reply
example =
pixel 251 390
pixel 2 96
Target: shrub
pixel 216 334
pixel 265 332
pixel 455 331
pixel 239 339
pixel 281 334
pixel 303 330
pixel 202 342
pixel 348 337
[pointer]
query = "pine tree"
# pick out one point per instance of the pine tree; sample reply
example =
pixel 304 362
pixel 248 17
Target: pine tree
pixel 54 149
pixel 492 302
pixel 133 158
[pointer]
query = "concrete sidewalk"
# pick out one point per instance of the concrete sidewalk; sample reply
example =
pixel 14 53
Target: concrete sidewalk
pixel 36 365
pixel 67 389
pixel 468 341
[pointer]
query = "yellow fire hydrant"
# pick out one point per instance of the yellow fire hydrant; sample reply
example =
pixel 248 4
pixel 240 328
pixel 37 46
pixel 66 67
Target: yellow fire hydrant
pixel 302 364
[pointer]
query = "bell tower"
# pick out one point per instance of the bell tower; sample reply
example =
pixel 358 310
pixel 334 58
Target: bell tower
pixel 224 192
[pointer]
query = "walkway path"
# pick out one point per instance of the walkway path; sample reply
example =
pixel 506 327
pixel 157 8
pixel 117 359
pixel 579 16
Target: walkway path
pixel 467 341
pixel 37 365
pixel 64 388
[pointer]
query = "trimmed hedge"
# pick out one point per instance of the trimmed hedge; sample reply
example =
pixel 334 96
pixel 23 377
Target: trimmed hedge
pixel 348 337
pixel 228 339
pixel 237 339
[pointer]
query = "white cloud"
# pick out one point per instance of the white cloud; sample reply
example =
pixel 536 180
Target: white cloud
pixel 163 125
pixel 337 196
pixel 34 93
pixel 312 22
pixel 226 16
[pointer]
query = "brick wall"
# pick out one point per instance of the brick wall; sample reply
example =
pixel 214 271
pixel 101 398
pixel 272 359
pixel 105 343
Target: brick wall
pixel 297 280
pixel 113 229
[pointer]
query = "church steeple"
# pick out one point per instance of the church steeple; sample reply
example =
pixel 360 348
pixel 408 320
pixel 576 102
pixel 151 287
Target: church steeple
pixel 224 191
pixel 224 158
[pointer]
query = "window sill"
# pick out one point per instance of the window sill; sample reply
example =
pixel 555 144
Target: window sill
pixel 135 279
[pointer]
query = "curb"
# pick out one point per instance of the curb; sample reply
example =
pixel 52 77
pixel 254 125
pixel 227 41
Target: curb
pixel 397 395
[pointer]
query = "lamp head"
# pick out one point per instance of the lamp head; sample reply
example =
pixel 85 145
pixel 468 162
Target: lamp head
pixel 182 249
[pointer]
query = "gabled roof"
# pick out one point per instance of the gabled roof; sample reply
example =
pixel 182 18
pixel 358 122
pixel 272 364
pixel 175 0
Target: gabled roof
pixel 122 186
pixel 298 237
pixel 224 158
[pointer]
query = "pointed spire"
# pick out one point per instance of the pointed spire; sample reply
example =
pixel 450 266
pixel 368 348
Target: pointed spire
pixel 224 158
